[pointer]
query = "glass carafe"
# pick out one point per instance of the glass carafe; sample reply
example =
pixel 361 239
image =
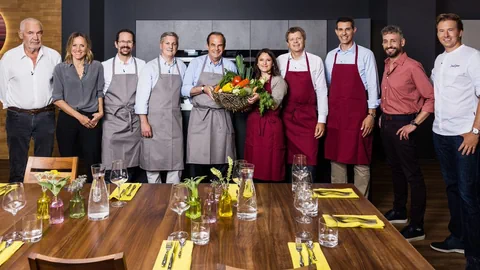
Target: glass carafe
pixel 247 198
pixel 98 206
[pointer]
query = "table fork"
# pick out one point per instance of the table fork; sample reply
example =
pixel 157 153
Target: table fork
pixel 310 246
pixel 130 193
pixel 332 192
pixel 298 247
pixel 355 219
pixel 168 247
pixel 124 191
pixel 8 243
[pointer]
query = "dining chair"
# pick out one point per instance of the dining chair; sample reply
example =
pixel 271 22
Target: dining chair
pixel 109 262
pixel 67 166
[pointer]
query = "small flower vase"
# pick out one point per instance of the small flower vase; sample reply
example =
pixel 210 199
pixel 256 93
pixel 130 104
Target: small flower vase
pixel 225 205
pixel 77 205
pixel 195 210
pixel 43 203
pixel 56 211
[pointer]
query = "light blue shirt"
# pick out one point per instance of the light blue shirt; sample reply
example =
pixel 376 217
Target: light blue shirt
pixel 195 69
pixel 148 79
pixel 367 68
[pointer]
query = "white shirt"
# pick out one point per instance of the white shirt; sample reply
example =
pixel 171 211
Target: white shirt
pixel 367 68
pixel 149 77
pixel 24 86
pixel 120 68
pixel 317 74
pixel 456 82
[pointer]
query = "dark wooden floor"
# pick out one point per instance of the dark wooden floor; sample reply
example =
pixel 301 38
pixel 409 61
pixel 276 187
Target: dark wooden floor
pixel 436 218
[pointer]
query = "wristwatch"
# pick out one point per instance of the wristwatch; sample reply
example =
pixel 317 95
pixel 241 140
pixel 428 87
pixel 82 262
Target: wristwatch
pixel 475 131
pixel 372 115
pixel 413 123
pixel 203 89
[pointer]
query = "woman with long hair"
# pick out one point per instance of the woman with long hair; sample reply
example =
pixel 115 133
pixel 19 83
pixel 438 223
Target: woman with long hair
pixel 265 142
pixel 78 93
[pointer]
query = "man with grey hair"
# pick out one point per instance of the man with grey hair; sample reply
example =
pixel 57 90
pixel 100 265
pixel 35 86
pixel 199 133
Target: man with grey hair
pixel 158 104
pixel 26 77
pixel 407 100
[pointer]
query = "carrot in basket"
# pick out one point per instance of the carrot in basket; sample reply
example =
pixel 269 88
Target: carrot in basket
pixel 243 83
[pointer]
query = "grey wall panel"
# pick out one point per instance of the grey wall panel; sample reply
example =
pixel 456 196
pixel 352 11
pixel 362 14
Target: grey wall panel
pixel 237 33
pixel 362 36
pixel 192 34
pixel 269 34
pixel 470 33
pixel 148 37
pixel 316 35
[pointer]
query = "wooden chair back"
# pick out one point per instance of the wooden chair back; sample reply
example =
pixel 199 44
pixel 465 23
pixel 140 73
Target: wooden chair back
pixel 109 262
pixel 66 166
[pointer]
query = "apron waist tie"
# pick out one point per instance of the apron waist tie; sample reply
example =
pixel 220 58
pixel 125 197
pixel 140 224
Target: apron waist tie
pixel 119 111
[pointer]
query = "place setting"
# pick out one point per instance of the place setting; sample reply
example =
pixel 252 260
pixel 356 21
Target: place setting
pixel 123 192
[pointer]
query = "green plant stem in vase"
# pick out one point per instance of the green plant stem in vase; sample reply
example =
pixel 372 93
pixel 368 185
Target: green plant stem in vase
pixel 43 204
pixel 195 210
pixel 225 204
pixel 77 205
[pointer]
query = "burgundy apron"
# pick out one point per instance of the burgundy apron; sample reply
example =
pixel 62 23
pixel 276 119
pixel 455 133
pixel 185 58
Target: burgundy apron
pixel 265 143
pixel 347 108
pixel 300 115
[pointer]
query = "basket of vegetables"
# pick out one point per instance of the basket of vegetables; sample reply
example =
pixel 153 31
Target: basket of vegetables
pixel 234 89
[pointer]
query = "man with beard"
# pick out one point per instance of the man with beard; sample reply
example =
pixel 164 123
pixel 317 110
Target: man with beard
pixel 211 137
pixel 407 100
pixel 456 80
pixel 26 85
pixel 158 104
pixel 121 128
pixel 352 75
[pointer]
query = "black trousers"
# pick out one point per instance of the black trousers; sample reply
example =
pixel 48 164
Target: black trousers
pixel 76 140
pixel 402 157
pixel 21 127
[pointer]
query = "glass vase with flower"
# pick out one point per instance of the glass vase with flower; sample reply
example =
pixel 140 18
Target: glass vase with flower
pixel 54 182
pixel 76 205
pixel 195 210
pixel 225 203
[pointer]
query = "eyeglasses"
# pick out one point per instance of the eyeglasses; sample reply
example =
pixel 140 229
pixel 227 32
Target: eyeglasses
pixel 129 42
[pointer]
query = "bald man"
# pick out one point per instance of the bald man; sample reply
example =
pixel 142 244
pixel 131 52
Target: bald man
pixel 26 76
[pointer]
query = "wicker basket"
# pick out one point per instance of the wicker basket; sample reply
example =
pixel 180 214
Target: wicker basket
pixel 232 102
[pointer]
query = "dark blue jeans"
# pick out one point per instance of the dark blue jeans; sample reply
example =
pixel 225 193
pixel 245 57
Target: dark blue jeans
pixel 21 127
pixel 461 175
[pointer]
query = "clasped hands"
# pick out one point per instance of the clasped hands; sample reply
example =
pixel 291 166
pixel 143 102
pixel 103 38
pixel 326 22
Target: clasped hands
pixel 90 123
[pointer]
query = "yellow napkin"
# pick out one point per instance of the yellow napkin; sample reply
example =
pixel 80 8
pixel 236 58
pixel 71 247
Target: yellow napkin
pixel 321 261
pixel 326 194
pixel 125 196
pixel 355 223
pixel 183 263
pixel 2 189
pixel 8 252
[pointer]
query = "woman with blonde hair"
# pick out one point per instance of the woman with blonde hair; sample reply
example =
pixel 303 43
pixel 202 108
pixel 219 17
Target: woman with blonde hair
pixel 78 93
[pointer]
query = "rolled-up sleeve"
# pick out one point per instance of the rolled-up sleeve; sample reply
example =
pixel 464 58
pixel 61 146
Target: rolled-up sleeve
pixel 372 80
pixel 189 78
pixel 58 89
pixel 424 87
pixel 144 88
pixel 473 72
pixel 321 91
pixel 100 82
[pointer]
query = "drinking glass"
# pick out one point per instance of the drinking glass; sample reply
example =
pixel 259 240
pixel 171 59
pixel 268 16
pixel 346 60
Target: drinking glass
pixel 236 175
pixel 304 202
pixel 299 169
pixel 118 176
pixel 13 201
pixel 179 201
pixel 200 231
pixel 32 228
pixel 327 235
pixel 301 177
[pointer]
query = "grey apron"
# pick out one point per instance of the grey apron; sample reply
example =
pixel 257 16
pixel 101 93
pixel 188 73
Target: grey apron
pixel 121 127
pixel 211 137
pixel 164 150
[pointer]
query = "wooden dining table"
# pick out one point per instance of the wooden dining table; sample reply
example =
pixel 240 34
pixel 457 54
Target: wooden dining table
pixel 139 228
